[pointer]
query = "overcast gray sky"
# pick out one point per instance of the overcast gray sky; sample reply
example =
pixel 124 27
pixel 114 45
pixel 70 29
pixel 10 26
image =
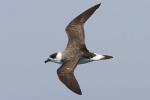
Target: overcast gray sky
pixel 30 30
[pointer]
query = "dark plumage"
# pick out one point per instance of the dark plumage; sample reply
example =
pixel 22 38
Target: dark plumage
pixel 75 52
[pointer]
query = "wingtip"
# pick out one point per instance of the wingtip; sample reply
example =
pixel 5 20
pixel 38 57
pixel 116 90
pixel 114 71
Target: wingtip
pixel 78 92
pixel 98 5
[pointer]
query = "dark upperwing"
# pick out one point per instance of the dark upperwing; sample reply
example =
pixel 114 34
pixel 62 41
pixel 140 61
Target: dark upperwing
pixel 66 75
pixel 75 29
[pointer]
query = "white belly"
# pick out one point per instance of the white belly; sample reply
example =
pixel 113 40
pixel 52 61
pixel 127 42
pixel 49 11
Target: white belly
pixel 82 61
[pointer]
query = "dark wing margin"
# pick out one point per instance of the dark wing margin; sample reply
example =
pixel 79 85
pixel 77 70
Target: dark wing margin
pixel 66 75
pixel 75 29
pixel 83 17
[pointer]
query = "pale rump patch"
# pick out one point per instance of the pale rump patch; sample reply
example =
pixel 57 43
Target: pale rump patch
pixel 97 57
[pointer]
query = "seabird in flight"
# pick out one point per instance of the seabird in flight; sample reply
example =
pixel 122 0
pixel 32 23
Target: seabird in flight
pixel 76 52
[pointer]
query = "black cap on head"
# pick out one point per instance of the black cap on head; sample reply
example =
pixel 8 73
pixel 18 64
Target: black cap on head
pixel 53 55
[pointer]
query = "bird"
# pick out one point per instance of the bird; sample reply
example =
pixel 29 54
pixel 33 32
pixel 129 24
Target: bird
pixel 75 52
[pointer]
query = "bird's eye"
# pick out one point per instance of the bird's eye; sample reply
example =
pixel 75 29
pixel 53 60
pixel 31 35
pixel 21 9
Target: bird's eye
pixel 53 55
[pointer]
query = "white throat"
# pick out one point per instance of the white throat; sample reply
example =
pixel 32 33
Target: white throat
pixel 59 56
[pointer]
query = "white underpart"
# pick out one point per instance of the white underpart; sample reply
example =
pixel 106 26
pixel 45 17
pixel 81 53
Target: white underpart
pixel 58 59
pixel 83 61
pixel 97 57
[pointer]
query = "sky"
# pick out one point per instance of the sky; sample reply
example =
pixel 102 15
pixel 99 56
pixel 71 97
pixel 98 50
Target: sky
pixel 31 30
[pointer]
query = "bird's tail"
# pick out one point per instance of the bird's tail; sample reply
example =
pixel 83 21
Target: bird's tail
pixel 106 57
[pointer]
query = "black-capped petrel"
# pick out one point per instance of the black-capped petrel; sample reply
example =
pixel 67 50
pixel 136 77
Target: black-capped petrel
pixel 76 52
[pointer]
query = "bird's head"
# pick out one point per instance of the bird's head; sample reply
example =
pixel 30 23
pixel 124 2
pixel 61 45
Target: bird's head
pixel 55 57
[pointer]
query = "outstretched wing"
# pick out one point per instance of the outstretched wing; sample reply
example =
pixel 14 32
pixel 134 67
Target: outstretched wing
pixel 75 29
pixel 66 75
